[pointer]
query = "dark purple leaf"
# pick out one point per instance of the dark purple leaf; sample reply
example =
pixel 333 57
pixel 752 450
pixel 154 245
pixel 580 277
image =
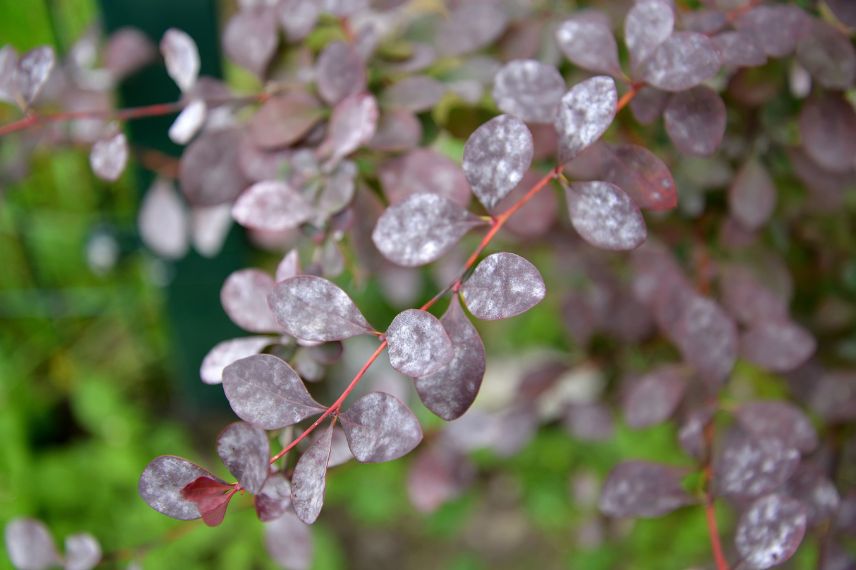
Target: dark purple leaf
pixel 778 420
pixel 649 104
pixel 828 129
pixel 271 205
pixel 738 49
pixel 310 478
pixel 421 229
pixel 496 156
pixel 683 61
pixel 770 531
pixel 340 72
pixel 748 467
pixel 586 111
pixel 264 390
pixel 418 343
pixel 244 450
pixel 162 482
pixel 30 545
pixel 284 120
pixel 642 489
pixel 834 396
pixel 397 130
pixel 437 475
pixel 816 492
pixel 450 391
pixel 642 175
pixel 313 308
pixel 380 428
pixel 605 216
pixel 844 10
pixel 589 422
pixel 289 542
pixel 695 120
pixel 778 345
pixel 34 69
pixel 777 29
pixel 652 398
pixel 587 41
pixel 244 298
pixel 109 156
pixel 162 222
pixel 424 170
pixel 746 299
pixel 529 89
pixel 691 433
pixel 274 499
pixel 82 552
pixel 352 125
pixel 648 24
pixel 181 57
pixel 416 93
pixel 250 38
pixel 707 338
pixel 503 285
pixel 209 170
pixel 225 353
pixel 752 196
pixel 471 25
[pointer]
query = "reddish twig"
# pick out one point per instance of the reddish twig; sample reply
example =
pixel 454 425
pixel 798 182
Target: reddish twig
pixel 709 506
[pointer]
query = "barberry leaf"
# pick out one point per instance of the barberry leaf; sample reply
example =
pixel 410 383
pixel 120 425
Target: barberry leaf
pixel 748 467
pixel 695 120
pixel 109 156
pixel 418 343
pixel 271 205
pixel 605 216
pixel 647 25
pixel 681 62
pixel 587 41
pixel 585 112
pixel 162 482
pixel 211 497
pixel 82 552
pixel 529 89
pixel 340 72
pixel 643 489
pixel 274 499
pixel 228 351
pixel 496 156
pixel 244 298
pixel 503 285
pixel 30 545
pixel 778 420
pixel 181 57
pixel 380 428
pixel 310 478
pixel 770 531
pixel 244 449
pixel 289 542
pixel 654 397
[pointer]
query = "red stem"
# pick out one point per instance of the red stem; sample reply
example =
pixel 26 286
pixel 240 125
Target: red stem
pixel 709 506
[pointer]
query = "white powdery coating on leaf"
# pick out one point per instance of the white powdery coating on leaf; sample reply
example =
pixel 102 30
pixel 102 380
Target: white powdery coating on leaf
pixel 707 338
pixel 586 111
pixel 605 216
pixel 274 499
pixel 682 61
pixel 353 124
pixel 33 71
pixel 313 308
pixel 109 157
pixel 289 266
pixel 340 72
pixel 161 484
pixel 264 390
pixel 496 156
pixel 30 544
pixel 250 39
pixel 503 285
pixel 209 227
pixel 421 228
pixel 777 345
pixel 471 25
pixel 416 93
pixel 695 120
pixel 643 489
pixel 770 531
pixel 225 353
pixel 424 171
pixel 648 24
pixel 777 29
pixel 529 89
pixel 451 391
pixel 244 298
pixel 188 122
pixel 82 552
pixel 752 196
pixel 738 49
pixel 654 397
pixel 778 420
pixel 310 478
pixel 244 450
pixel 380 428
pixel 163 222
pixel 181 58
pixel 297 17
pixel 418 343
pixel 748 467
pixel 271 205
pixel 588 43
pixel 289 542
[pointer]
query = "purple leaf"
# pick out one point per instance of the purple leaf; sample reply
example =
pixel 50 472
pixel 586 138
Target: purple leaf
pixel 683 61
pixel 642 175
pixel 162 482
pixel 654 397
pixel 503 285
pixel 828 128
pixel 738 49
pixel 778 420
pixel 471 25
pixel 747 467
pixel 34 69
pixel 588 42
pixel 340 72
pixel 643 489
pixel 274 499
pixel 297 18
pixel 648 24
pixel 225 353
pixel 416 93
pixel 844 10
pixel 496 156
pixel 189 122
pixel 778 345
pixel 313 308
pixel 770 531
pixel 264 390
pixel 109 156
pixel 209 170
pixel 340 453
pixel 244 450
pixel 397 130
pixel 271 205
pixel 418 343
pixel 816 492
pixel 451 391
pixel 244 298
pixel 589 422
pixel 421 229
pixel 181 58
pixel 605 216
pixel 163 221
pixel 289 266
pixel 285 119
pixel 424 170
pixel 30 545
pixel 127 51
pixel 777 29
pixel 380 428
pixel 250 39
pixel 437 475
pixel 752 196
pixel 746 299
pixel 695 120
pixel 352 125
pixel 529 89
pixel 586 111
pixel 707 338
pixel 649 104
pixel 82 552
pixel 289 542
pixel 310 478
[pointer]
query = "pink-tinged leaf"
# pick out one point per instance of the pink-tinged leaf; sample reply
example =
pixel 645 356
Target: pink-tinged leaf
pixel 529 89
pixel 605 216
pixel 209 171
pixel 748 467
pixel 503 285
pixel 380 428
pixel 162 482
pixel 421 229
pixel 643 489
pixel 778 420
pixel 162 222
pixel 82 552
pixel 244 298
pixel 684 60
pixel 271 205
pixel 244 450
pixel 654 397
pixel 289 266
pixel 397 130
pixel 451 391
pixel 770 531
pixel 587 41
pixel 34 69
pixel 649 104
pixel 418 343
pixel 496 156
pixel 352 125
pixel 416 93
pixel 424 170
pixel 315 309
pixel 648 24
pixel 285 119
pixel 340 72
pixel 695 120
pixel 289 542
pixel 589 422
pixel 642 175
pixel 537 216
pixel 264 390
pixel 746 299
pixel 274 499
pixel 109 156
pixel 828 129
pixel 437 475
pixel 471 25
pixel 30 545
pixel 181 57
pixel 777 29
pixel 250 39
pixel 211 497
pixel 752 196
pixel 816 492
pixel 310 478
pixel 778 345
pixel 844 10
pixel 225 353
pixel 586 111
pixel 188 122
pixel 127 51
pixel 739 49
pixel 707 338
pixel 297 18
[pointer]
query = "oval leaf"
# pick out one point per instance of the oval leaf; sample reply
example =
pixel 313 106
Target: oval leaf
pixel 647 25
pixel 681 62
pixel 418 343
pixel 353 124
pixel 380 428
pixel 587 41
pixel 496 156
pixel 244 298
pixel 748 467
pixel 162 482
pixel 779 345
pixel 340 72
pixel 585 112
pixel 250 39
pixel 778 420
pixel 181 58
pixel 310 478
pixel 643 489
pixel 225 353
pixel 274 499
pixel 605 216
pixel 289 542
pixel 752 196
pixel 503 285
pixel 529 89
pixel 770 531
pixel 244 450
pixel 30 545
pixel 82 552
pixel 109 156
pixel 163 221
pixel 652 398
pixel 271 205
pixel 695 120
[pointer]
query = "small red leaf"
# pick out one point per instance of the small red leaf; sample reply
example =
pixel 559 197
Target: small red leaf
pixel 211 498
